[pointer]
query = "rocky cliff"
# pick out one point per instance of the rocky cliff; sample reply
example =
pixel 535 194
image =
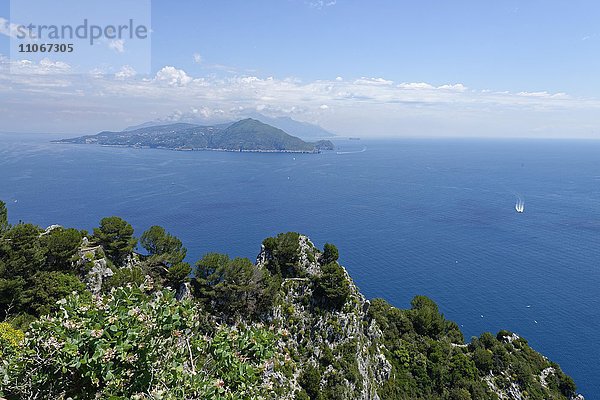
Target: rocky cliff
pixel 357 351
pixel 346 338
pixel 291 325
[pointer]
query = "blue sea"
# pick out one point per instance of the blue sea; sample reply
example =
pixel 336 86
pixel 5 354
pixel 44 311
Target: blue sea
pixel 431 217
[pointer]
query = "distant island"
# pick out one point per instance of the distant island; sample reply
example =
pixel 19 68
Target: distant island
pixel 247 135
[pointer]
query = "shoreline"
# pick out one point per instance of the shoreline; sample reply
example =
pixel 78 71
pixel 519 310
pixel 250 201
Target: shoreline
pixel 193 149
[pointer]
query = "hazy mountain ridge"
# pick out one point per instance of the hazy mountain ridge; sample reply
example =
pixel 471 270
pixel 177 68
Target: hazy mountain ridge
pixel 303 130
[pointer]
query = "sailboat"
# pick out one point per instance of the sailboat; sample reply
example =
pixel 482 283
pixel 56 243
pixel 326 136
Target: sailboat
pixel 520 206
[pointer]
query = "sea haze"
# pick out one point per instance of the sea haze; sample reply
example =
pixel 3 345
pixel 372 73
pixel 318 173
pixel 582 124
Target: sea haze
pixel 432 217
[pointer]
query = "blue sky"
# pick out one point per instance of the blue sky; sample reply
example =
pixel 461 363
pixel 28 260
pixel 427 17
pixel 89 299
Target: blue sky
pixel 369 68
pixel 507 45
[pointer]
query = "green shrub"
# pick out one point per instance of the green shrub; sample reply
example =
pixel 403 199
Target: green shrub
pixel 10 339
pixel 234 287
pixel 124 276
pixel 285 252
pixel 61 245
pixel 49 287
pixel 310 381
pixel 3 217
pixel 426 317
pixel 129 345
pixel 116 237
pixel 332 288
pixel 330 254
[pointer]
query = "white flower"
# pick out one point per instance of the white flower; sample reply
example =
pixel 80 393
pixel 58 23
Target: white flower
pixel 96 333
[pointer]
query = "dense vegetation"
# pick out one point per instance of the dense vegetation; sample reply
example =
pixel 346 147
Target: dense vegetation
pixel 245 135
pixel 430 362
pixel 103 321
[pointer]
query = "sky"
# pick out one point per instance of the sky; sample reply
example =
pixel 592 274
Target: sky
pixel 357 68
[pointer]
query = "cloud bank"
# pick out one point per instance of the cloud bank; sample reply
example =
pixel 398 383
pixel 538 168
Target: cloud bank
pixel 49 99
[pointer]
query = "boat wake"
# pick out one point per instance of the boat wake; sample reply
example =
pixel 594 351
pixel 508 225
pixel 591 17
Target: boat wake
pixel 520 206
pixel 352 152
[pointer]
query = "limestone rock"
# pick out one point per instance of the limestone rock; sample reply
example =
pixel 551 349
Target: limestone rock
pixel 184 291
pixel 310 334
pixel 50 229
pixel 93 266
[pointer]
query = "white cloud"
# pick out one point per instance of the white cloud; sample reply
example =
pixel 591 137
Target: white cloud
pixel 416 86
pixel 197 58
pixel 459 87
pixel 373 81
pixel 7 28
pixel 369 105
pixel 544 95
pixel 589 37
pixel 117 45
pixel 125 72
pixel 97 72
pixel 48 64
pixel 319 4
pixel 173 76
pixel 44 67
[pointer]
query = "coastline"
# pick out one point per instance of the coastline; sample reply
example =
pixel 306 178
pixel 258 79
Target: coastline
pixel 316 151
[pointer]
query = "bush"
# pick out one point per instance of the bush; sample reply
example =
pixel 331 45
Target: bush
pixel 49 287
pixel 332 287
pixel 285 252
pixel 3 217
pixel 61 245
pixel 310 381
pixel 483 360
pixel 124 276
pixel 116 237
pixel 330 254
pixel 426 318
pixel 10 339
pixel 234 287
pixel 129 345
pixel 178 274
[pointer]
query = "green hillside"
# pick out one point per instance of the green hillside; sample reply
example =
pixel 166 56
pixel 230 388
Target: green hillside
pixel 245 135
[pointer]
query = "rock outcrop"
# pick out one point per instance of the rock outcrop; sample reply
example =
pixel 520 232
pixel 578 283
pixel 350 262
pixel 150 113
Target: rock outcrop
pixel 93 266
pixel 311 334
pixel 346 345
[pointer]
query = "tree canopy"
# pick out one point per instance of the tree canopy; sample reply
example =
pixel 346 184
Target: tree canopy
pixel 116 237
pixel 36 269
pixel 61 244
pixel 330 253
pixel 162 246
pixel 165 256
pixel 332 286
pixel 233 286
pixel 284 252
pixel 3 217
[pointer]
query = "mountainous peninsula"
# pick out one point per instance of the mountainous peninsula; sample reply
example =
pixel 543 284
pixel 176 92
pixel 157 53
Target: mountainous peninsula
pixel 303 130
pixel 247 135
pixel 86 316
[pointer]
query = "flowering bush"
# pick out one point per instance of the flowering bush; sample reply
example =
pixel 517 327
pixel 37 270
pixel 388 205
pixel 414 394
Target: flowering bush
pixel 131 345
pixel 10 340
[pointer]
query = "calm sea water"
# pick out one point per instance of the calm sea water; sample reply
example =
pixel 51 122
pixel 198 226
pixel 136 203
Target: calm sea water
pixel 432 217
